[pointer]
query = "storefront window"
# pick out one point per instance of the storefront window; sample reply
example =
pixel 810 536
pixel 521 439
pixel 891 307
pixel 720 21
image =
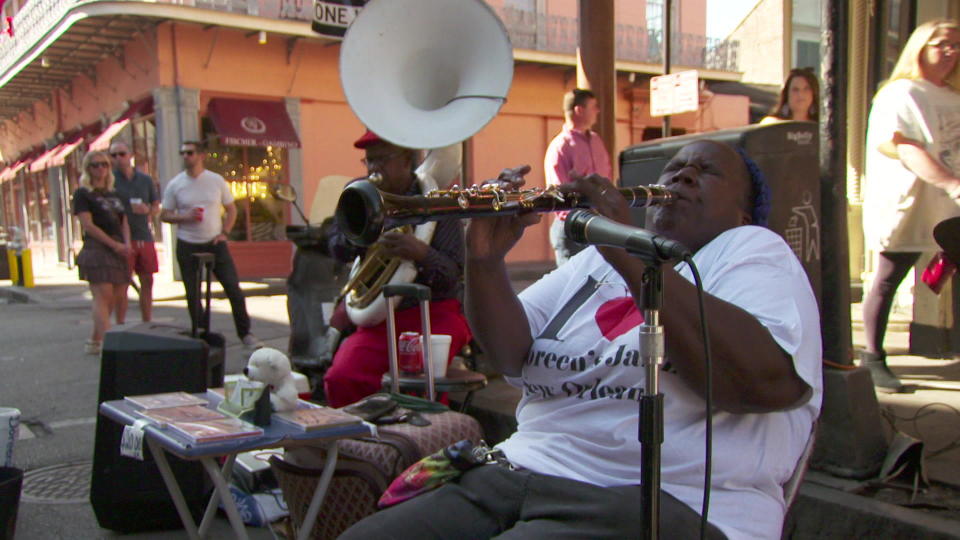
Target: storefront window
pixel 40 223
pixel 250 171
pixel 143 131
pixel 74 233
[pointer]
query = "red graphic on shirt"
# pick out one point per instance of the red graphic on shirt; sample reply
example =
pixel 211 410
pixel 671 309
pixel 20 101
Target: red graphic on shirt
pixel 618 316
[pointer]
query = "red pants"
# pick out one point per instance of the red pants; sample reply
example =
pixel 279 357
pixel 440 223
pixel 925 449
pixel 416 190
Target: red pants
pixel 363 358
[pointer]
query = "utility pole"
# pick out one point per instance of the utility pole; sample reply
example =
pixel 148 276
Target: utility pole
pixel 850 440
pixel 596 69
pixel 835 261
pixel 667 53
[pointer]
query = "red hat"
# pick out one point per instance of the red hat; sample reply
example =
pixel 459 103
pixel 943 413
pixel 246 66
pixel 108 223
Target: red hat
pixel 368 139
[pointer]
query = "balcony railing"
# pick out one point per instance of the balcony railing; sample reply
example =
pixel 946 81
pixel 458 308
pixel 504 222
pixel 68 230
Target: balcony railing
pixel 527 29
pixel 37 17
pixel 554 33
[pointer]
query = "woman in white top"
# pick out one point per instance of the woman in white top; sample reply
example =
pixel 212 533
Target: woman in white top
pixel 913 153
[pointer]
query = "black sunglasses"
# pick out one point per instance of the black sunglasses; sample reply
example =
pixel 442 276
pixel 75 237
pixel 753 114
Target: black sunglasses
pixel 117 154
pixel 99 164
pixel 187 152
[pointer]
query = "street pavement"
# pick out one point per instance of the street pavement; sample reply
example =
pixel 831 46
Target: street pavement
pixel 47 376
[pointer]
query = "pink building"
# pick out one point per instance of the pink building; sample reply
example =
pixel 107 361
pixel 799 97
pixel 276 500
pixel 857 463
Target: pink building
pixel 77 74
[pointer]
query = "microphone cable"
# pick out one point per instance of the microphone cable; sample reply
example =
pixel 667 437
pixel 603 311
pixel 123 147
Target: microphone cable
pixel 708 366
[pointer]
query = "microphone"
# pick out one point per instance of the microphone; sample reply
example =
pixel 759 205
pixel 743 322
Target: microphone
pixel 587 227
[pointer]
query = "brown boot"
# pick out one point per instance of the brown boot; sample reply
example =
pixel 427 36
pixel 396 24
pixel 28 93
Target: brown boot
pixel 883 378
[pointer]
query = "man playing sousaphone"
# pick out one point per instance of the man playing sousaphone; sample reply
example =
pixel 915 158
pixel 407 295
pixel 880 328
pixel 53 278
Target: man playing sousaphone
pixel 436 252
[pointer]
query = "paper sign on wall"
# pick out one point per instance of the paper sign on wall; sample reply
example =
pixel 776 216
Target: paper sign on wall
pixel 674 93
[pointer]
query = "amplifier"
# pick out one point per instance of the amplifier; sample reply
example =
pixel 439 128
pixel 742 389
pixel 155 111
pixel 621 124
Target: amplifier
pixel 129 495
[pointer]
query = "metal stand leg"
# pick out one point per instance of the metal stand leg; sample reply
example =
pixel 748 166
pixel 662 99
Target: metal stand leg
pixel 221 493
pixel 211 511
pixel 223 489
pixel 178 501
pixel 320 492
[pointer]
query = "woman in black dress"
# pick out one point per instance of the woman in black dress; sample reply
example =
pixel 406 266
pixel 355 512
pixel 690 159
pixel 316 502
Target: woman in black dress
pixel 106 242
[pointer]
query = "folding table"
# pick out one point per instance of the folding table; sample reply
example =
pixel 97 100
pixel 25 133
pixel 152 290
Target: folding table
pixel 277 434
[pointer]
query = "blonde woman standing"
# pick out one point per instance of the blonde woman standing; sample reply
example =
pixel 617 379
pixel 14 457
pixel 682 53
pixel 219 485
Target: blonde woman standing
pixel 913 158
pixel 106 242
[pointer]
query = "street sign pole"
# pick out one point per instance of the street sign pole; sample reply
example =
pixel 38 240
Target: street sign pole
pixel 667 51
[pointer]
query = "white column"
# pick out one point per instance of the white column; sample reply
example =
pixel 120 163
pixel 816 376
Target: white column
pixel 177 112
pixel 295 165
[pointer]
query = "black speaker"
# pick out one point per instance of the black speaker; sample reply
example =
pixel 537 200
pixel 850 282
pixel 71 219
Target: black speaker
pixel 788 155
pixel 129 495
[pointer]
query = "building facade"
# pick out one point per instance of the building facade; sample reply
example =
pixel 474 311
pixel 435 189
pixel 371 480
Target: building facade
pixel 76 75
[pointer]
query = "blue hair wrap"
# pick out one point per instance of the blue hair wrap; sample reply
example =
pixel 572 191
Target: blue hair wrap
pixel 759 190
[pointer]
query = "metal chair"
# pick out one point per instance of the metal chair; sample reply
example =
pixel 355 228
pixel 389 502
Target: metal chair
pixel 792 485
pixel 456 380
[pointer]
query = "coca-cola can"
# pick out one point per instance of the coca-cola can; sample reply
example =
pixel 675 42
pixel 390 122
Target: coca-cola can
pixel 410 353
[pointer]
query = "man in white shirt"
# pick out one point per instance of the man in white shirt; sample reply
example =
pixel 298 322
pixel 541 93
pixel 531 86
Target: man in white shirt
pixel 200 203
pixel 570 342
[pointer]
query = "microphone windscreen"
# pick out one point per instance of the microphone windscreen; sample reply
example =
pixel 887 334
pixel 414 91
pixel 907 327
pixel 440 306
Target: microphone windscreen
pixel 575 225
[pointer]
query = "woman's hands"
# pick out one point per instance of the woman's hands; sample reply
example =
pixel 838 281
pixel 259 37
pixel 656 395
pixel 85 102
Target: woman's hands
pixel 121 248
pixel 601 193
pixel 606 200
pixel 490 238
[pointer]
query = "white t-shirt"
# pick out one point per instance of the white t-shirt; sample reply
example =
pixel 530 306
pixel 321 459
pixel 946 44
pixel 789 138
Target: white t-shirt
pixel 208 190
pixel 582 381
pixel 899 209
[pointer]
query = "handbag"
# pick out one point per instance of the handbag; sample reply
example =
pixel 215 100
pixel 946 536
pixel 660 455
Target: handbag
pixel 938 272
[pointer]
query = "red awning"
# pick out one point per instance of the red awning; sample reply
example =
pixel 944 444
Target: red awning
pixel 43 162
pixel 244 122
pixel 11 172
pixel 63 151
pixel 102 142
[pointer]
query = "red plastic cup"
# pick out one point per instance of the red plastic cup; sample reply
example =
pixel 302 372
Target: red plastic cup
pixel 198 213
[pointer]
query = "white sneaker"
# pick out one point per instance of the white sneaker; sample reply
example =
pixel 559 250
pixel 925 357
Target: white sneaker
pixel 93 347
pixel 251 342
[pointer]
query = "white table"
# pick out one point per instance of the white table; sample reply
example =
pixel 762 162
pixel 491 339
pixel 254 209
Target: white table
pixel 277 434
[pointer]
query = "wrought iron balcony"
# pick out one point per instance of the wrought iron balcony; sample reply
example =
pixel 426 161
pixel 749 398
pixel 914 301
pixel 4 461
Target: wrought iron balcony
pixel 39 23
pixel 38 19
pixel 56 40
pixel 559 34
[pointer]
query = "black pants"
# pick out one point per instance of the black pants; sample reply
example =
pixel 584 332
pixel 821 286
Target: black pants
pixel 226 273
pixel 492 501
pixel 891 269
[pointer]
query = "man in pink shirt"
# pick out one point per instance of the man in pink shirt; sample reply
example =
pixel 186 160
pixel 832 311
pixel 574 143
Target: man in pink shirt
pixel 578 151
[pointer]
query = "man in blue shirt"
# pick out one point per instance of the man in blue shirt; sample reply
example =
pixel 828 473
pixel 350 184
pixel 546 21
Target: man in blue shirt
pixel 142 202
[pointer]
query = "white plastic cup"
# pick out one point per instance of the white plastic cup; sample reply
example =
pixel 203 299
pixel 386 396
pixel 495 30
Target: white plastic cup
pixel 440 350
pixel 9 423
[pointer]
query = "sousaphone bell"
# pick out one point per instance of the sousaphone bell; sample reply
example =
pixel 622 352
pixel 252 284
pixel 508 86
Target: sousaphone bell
pixel 421 74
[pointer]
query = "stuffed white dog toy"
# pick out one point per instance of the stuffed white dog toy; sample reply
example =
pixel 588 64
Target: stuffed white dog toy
pixel 272 368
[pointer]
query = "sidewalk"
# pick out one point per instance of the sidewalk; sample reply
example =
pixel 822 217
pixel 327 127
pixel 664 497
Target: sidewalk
pixel 931 413
pixel 55 385
pixel 57 283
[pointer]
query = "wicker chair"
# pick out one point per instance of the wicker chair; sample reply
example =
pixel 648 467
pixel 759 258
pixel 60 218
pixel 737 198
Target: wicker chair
pixel 352 495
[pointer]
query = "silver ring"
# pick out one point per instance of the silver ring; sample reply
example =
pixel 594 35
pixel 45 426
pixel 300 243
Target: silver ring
pixel 603 192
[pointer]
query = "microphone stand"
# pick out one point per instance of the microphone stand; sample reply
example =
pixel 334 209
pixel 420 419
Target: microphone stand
pixel 651 402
